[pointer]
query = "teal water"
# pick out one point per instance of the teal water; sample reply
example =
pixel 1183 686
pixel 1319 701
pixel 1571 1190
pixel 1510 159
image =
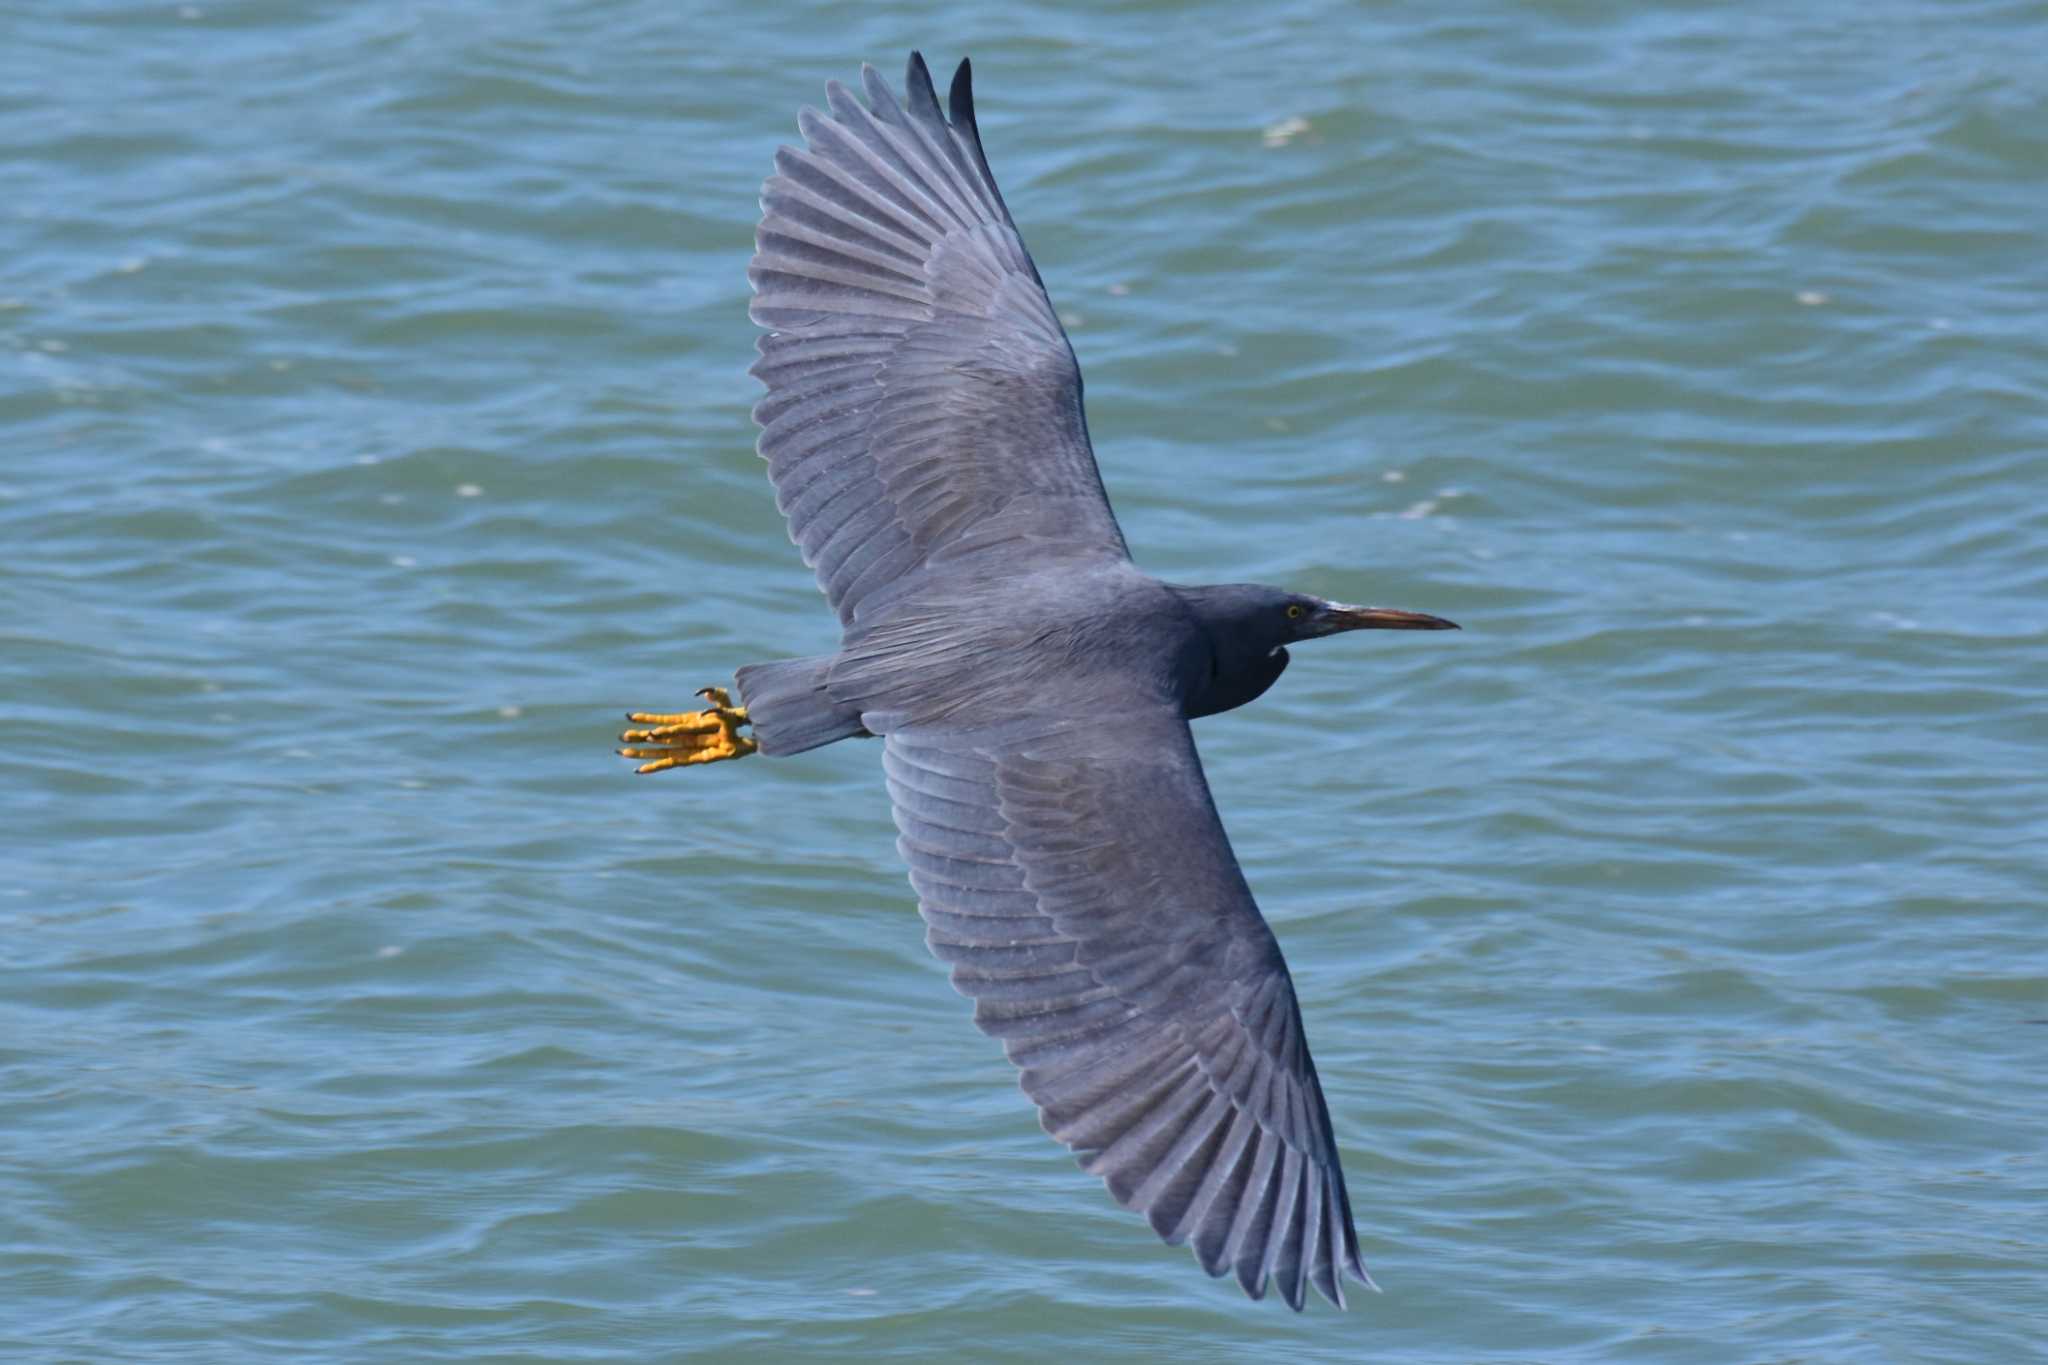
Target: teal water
pixel 375 432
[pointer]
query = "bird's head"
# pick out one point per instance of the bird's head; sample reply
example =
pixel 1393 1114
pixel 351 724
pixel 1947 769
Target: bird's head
pixel 1311 618
pixel 1249 626
pixel 1264 618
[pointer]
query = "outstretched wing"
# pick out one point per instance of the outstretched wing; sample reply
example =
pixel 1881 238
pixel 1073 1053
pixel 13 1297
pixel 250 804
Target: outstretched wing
pixel 1090 904
pixel 922 398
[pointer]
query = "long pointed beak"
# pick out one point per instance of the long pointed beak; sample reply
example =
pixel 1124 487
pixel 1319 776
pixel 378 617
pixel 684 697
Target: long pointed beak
pixel 1343 617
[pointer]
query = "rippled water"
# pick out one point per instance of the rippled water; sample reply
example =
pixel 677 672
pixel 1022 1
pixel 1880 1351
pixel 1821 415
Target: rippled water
pixel 376 432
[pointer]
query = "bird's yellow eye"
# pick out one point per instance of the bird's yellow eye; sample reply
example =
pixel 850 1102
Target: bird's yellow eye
pixel 1295 611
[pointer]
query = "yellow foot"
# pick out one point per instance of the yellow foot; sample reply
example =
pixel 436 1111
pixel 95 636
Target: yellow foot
pixel 683 737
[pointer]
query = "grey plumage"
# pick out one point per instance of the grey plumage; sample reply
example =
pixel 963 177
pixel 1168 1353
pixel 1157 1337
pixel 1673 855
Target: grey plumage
pixel 923 428
pixel 921 394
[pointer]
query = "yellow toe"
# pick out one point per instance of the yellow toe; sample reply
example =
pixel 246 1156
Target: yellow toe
pixel 683 738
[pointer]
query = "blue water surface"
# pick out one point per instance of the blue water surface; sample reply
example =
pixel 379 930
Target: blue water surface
pixel 375 429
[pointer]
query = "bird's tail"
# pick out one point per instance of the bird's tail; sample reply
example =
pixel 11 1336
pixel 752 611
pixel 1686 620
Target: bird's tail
pixel 789 708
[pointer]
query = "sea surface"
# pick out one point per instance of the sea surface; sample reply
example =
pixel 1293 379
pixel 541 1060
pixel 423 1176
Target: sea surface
pixel 374 432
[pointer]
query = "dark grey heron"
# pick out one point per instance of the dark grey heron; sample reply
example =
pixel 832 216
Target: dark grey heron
pixel 1032 688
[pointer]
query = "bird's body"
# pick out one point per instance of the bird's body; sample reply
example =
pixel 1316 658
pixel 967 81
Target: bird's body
pixel 1032 686
pixel 1064 635
pixel 1012 645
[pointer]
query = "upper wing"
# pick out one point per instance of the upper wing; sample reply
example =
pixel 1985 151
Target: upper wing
pixel 1091 905
pixel 922 398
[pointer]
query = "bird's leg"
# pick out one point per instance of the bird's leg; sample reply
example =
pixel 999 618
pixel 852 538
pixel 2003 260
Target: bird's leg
pixel 683 737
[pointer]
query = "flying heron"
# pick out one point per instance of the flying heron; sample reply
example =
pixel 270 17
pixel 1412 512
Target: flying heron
pixel 1032 687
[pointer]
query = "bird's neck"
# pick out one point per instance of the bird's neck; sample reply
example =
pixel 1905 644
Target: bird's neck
pixel 1232 686
pixel 1229 665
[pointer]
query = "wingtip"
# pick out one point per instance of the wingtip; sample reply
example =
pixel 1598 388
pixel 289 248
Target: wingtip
pixel 881 99
pixel 960 97
pixel 1295 1297
pixel 918 91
